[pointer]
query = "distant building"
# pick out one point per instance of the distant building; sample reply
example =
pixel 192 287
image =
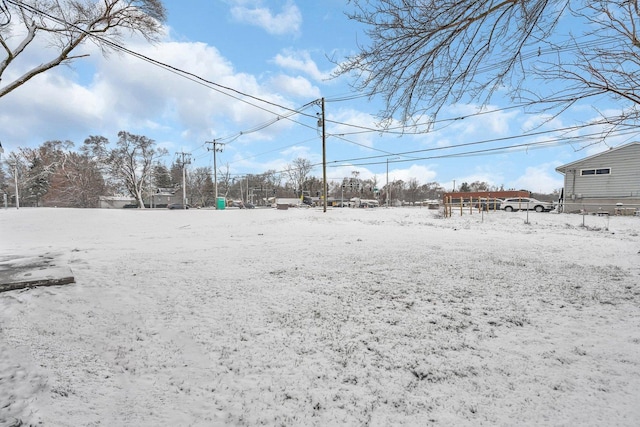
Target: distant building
pixel 160 199
pixel 115 202
pixel 166 196
pixel 457 197
pixel 605 182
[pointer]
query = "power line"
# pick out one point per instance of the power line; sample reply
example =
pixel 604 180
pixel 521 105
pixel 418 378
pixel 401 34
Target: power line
pixel 186 74
pixel 232 137
pixel 290 112
pixel 221 88
pixel 550 142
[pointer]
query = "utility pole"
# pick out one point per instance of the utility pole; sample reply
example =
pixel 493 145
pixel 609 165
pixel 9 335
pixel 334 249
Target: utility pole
pixel 324 160
pixel 249 201
pixel 183 162
pixel 217 148
pixel 387 182
pixel 149 188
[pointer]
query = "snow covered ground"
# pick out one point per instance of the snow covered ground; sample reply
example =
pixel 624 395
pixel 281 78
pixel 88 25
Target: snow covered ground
pixel 297 317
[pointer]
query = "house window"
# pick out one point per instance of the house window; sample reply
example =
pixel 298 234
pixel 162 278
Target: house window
pixel 600 171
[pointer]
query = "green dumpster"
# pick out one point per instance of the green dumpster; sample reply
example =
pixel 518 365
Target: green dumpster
pixel 220 203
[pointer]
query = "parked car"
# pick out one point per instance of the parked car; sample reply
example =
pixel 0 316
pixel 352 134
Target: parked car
pixel 177 206
pixel 526 203
pixel 489 204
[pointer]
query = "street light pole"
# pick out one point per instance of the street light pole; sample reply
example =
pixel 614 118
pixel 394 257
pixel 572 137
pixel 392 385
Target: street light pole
pixel 15 177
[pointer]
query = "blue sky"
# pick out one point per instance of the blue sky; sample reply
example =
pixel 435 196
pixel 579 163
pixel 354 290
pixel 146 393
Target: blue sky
pixel 279 51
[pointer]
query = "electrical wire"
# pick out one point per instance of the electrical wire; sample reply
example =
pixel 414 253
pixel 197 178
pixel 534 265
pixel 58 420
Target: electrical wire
pixel 552 142
pixel 186 74
pixel 239 95
pixel 221 88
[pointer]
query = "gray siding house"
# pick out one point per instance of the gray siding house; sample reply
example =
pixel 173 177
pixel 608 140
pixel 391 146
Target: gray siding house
pixel 605 182
pixel 115 202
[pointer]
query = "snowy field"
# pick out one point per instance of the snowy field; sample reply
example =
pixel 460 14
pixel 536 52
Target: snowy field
pixel 297 317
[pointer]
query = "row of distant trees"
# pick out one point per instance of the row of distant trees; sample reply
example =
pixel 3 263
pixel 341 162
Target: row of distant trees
pixel 54 174
pixel 58 174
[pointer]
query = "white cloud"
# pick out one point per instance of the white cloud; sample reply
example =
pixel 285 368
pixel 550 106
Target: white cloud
pixel 288 21
pixel 298 87
pixel 483 126
pixel 46 108
pixel 540 122
pixel 300 61
pixel 126 93
pixel 539 179
pixel 349 127
pixel 422 173
pixel 464 123
pixel 340 172
pixel 203 109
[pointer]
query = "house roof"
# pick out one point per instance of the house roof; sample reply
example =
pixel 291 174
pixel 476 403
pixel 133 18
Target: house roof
pixel 562 169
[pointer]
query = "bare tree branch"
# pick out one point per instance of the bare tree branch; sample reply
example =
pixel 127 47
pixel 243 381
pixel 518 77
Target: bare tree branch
pixel 65 25
pixel 425 54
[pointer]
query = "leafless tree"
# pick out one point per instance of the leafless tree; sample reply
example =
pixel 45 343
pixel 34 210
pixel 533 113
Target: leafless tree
pixel 53 175
pixel 432 190
pixel 374 182
pixel 77 182
pixel 479 186
pixel 606 62
pixel 3 179
pixel 412 189
pixel 63 25
pixel 273 179
pixel 17 171
pixel 38 166
pixel 298 172
pixel 424 54
pixel 224 180
pixel 201 186
pixel 130 163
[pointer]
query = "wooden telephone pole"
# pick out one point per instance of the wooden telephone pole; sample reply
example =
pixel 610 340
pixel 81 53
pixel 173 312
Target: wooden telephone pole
pixel 217 148
pixel 324 161
pixel 183 161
